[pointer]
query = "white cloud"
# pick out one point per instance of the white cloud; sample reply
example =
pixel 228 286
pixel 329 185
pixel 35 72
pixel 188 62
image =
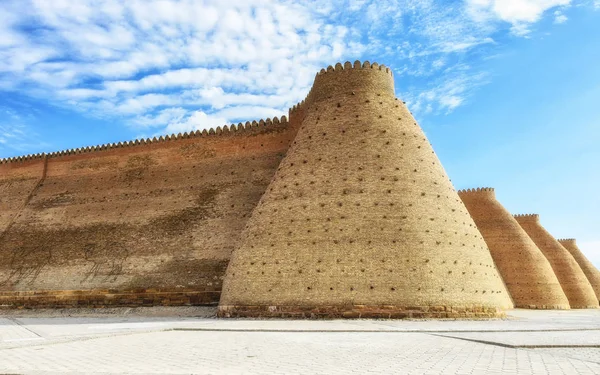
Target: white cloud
pixel 197 120
pixel 519 13
pixel 559 17
pixel 135 60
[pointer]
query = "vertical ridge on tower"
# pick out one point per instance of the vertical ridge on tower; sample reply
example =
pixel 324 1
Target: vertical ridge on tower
pixel 591 272
pixel 527 273
pixel 576 286
pixel 360 219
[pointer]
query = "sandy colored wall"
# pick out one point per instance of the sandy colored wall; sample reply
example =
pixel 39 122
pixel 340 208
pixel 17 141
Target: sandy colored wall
pixel 143 224
pixel 361 219
pixel 591 272
pixel 576 286
pixel 525 270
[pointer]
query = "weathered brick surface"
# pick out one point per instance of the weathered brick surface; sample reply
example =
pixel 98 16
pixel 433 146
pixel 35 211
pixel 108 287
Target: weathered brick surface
pixel 576 286
pixel 525 270
pixel 162 215
pixel 591 272
pixel 359 215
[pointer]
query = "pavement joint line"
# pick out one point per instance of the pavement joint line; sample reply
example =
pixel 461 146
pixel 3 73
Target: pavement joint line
pixel 64 340
pixel 536 346
pixel 502 345
pixel 24 326
pixel 365 331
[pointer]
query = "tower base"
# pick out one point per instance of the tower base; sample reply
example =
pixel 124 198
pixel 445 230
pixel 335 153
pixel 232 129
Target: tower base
pixel 361 311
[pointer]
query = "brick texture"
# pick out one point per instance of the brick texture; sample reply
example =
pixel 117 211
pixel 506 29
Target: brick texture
pixel 576 286
pixel 361 219
pixel 525 270
pixel 591 272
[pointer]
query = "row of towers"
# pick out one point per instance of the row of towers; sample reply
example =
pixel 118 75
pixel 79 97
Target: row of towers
pixel 361 220
pixel 538 270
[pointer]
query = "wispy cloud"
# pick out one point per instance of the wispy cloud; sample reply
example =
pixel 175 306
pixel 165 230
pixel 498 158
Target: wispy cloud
pixel 521 14
pixel 559 17
pixel 177 64
pixel 15 134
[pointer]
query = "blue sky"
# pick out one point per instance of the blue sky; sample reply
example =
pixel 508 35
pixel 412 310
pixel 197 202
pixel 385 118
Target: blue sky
pixel 506 90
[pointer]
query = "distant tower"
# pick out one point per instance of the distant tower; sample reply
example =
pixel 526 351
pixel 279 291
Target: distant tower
pixel 527 273
pixel 360 219
pixel 572 279
pixel 591 272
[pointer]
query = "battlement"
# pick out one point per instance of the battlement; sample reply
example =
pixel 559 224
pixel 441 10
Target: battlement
pixel 568 240
pixel 325 75
pixel 476 192
pixel 527 217
pixel 357 65
pixel 247 128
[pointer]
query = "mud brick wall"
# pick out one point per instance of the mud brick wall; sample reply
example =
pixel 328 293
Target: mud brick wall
pixel 152 220
pixel 576 286
pixel 525 270
pixel 591 272
pixel 361 219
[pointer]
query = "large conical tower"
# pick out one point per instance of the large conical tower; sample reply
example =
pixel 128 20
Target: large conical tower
pixel 527 273
pixel 591 272
pixel 576 286
pixel 360 219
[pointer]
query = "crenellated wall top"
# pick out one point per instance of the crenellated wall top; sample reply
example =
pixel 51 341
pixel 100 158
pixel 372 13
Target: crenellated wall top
pixel 241 128
pixel 568 240
pixel 527 217
pixel 476 190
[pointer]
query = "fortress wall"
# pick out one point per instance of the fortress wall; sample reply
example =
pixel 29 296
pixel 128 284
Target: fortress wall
pixel 361 219
pixel 576 286
pixel 525 270
pixel 151 223
pixel 591 272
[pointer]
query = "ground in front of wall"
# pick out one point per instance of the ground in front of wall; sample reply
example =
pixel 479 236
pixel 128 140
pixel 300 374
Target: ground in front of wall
pixel 191 340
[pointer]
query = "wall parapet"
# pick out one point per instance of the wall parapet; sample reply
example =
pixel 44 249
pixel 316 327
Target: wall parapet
pixel 476 190
pixel 247 128
pixel 527 217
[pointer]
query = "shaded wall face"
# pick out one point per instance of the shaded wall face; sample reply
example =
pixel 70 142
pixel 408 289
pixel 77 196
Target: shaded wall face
pixel 572 279
pixel 591 272
pixel 525 270
pixel 161 216
pixel 16 182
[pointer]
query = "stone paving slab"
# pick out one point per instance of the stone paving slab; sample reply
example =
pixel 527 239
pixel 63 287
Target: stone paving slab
pixel 284 353
pixel 586 354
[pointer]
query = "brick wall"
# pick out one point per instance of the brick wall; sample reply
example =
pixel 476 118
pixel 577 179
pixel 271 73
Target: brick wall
pixel 144 221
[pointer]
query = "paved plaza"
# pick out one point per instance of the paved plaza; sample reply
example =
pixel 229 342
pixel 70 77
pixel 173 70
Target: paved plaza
pixel 529 342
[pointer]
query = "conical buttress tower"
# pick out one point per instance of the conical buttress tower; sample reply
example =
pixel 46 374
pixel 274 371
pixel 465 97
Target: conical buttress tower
pixel 527 273
pixel 591 272
pixel 576 286
pixel 360 219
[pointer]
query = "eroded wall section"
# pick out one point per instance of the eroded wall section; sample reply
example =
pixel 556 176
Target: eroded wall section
pixel 151 223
